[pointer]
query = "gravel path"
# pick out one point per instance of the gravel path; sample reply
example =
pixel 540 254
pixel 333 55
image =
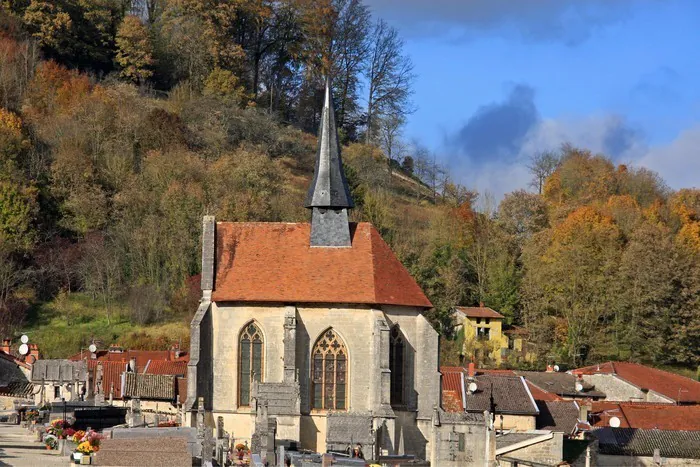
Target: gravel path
pixel 18 448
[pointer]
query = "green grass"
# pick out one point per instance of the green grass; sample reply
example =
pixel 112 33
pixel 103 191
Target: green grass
pixel 70 322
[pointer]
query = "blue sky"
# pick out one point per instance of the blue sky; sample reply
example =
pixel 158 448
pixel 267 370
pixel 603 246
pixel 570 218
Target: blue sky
pixel 498 80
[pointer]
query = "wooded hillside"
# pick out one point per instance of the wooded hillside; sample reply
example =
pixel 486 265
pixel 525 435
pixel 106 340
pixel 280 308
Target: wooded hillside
pixel 112 149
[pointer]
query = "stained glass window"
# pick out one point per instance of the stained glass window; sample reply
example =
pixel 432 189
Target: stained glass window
pixel 329 372
pixel 251 362
pixel 397 350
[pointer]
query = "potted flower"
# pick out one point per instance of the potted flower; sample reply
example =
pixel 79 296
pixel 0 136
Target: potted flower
pixel 85 450
pixel 51 441
pixel 88 444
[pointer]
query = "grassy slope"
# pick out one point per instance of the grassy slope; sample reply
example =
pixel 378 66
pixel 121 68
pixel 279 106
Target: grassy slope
pixel 70 322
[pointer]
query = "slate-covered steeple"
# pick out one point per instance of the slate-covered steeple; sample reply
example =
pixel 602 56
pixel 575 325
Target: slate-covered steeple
pixel 329 195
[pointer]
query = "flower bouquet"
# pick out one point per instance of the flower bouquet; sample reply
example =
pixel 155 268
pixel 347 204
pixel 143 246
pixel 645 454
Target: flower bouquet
pixel 78 436
pixel 88 443
pixel 51 441
pixel 32 415
pixel 58 428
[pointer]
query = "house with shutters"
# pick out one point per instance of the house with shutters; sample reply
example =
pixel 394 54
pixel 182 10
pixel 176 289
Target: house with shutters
pixel 315 325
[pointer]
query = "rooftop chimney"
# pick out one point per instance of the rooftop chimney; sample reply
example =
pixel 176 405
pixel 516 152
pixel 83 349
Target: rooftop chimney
pixel 329 195
pixel 33 353
pixel 5 347
pixel 550 369
pixel 471 370
pixel 132 365
pixel 481 304
pixel 583 412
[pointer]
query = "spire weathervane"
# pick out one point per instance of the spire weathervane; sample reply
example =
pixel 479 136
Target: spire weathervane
pixel 329 195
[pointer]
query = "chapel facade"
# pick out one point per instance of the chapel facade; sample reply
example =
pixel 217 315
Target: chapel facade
pixel 318 326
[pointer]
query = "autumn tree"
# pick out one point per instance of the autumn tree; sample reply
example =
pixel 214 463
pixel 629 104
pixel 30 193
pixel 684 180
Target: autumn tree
pixel 134 50
pixel 570 275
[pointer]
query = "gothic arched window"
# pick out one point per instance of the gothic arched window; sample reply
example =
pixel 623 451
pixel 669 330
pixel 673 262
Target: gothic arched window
pixel 397 356
pixel 329 369
pixel 250 360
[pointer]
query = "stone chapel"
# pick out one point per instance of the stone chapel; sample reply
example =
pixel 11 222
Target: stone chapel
pixel 318 325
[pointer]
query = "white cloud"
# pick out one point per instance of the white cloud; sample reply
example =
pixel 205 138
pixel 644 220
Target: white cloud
pixel 678 162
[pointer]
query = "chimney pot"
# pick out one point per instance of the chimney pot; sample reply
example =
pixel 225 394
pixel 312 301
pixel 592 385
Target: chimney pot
pixel 6 343
pixel 550 369
pixel 481 304
pixel 471 371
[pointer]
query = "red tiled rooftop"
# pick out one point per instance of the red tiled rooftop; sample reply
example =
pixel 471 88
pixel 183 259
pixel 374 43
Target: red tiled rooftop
pixel 451 401
pixel 181 390
pixel 642 415
pixel 165 367
pixel 671 385
pixel 111 376
pixel 479 312
pixel 142 356
pixel 273 262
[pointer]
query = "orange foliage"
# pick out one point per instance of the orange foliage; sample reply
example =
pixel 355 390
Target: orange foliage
pixel 55 88
pixel 689 235
pixel 465 212
pixel 584 219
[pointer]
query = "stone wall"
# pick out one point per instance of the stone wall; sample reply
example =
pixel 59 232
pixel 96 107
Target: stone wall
pixel 461 439
pixel 516 422
pixel 550 451
pixel 365 332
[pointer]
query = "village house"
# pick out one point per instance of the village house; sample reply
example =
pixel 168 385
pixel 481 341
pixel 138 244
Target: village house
pixel 626 381
pixel 487 337
pixel 499 392
pixel 319 323
pixel 154 378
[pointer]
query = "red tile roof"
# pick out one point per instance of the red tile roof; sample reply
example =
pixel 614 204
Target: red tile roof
pixel 643 415
pixel 181 390
pixel 671 385
pixel 165 367
pixel 142 356
pixel 479 312
pixel 451 401
pixel 111 376
pixel 273 262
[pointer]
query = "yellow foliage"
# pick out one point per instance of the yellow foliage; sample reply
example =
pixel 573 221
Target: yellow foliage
pixel 689 235
pixel 686 205
pixel 223 83
pixel 10 123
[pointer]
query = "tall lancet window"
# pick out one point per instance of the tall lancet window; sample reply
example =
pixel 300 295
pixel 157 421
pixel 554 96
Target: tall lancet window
pixel 250 351
pixel 397 363
pixel 329 368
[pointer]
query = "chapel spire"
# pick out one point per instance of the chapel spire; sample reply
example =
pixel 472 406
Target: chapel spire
pixel 329 195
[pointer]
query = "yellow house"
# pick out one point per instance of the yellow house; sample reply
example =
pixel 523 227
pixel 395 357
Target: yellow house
pixel 486 338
